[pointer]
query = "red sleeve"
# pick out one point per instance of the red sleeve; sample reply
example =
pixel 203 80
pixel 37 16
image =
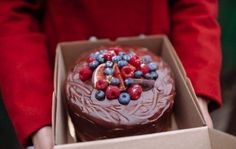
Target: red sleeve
pixel 196 36
pixel 25 74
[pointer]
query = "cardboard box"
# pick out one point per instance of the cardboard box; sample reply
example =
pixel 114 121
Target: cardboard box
pixel 188 129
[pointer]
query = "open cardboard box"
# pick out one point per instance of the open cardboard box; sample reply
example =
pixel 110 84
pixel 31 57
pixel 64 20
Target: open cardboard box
pixel 188 129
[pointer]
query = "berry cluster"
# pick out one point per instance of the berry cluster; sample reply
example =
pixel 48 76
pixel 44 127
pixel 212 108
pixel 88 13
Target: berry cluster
pixel 115 74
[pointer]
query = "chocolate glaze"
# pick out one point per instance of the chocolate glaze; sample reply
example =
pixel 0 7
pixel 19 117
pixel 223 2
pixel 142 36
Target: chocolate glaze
pixel 95 119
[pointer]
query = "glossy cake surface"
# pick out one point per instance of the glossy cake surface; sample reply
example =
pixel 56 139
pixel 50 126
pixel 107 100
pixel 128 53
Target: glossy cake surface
pixel 119 91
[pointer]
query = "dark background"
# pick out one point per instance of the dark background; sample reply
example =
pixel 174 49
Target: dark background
pixel 223 118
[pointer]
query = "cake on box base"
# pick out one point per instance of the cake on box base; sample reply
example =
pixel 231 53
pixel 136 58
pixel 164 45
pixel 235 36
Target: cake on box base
pixel 116 91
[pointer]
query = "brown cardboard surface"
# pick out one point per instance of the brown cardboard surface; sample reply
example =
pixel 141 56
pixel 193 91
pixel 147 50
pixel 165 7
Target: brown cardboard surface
pixel 59 109
pixel 186 112
pixel 196 138
pixel 220 140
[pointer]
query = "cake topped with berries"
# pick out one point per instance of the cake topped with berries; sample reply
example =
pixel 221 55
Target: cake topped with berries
pixel 119 91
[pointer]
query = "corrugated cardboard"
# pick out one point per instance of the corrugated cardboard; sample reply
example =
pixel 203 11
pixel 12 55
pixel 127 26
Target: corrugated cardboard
pixel 190 130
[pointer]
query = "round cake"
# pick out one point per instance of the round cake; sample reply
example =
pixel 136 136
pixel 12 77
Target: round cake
pixel 118 91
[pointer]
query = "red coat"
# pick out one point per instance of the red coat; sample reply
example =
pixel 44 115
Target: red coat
pixel 28 40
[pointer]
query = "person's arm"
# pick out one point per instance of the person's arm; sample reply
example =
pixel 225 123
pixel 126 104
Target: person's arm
pixel 25 73
pixel 195 35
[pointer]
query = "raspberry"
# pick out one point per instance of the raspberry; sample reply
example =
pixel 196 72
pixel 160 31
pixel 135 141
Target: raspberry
pixel 135 61
pixel 135 91
pixel 101 85
pixel 144 68
pixel 127 71
pixel 112 92
pixel 85 73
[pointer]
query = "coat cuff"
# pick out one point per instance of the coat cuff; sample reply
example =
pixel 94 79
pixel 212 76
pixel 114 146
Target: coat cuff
pixel 207 86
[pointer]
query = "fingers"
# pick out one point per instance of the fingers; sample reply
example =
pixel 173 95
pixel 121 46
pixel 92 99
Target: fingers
pixel 204 110
pixel 42 139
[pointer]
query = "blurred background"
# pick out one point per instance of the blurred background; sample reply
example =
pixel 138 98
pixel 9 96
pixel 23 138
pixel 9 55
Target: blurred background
pixel 224 118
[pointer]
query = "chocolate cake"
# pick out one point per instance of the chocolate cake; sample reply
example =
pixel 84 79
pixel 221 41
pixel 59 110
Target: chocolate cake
pixel 119 91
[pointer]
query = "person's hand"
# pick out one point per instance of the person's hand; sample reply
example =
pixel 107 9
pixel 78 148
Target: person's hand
pixel 204 109
pixel 42 139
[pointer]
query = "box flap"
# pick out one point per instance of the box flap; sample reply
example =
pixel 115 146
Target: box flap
pixel 188 81
pixel 60 112
pixel 53 113
pixel 196 138
pixel 220 140
pixel 54 92
pixel 194 97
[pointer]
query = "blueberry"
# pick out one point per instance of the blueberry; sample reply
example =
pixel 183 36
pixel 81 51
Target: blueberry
pixel 138 74
pixel 103 51
pixel 146 59
pixel 108 71
pixel 115 81
pixel 100 95
pixel 122 63
pixel 152 66
pixel 116 59
pixel 129 81
pixel 100 58
pixel 126 57
pixel 95 55
pixel 93 64
pixel 154 75
pixel 109 64
pixel 92 55
pixel 121 54
pixel 124 98
pixel 148 76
